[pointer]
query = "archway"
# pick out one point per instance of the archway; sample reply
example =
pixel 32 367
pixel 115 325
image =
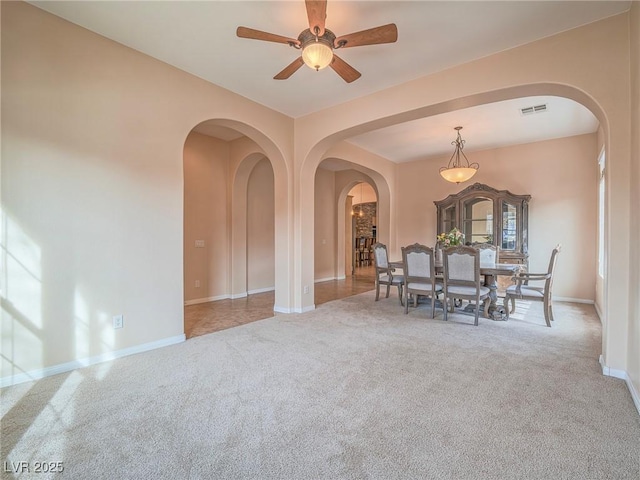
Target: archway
pixel 218 160
pixel 334 141
pixel 360 227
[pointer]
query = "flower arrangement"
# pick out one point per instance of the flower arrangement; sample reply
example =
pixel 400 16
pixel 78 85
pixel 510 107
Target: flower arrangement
pixel 452 238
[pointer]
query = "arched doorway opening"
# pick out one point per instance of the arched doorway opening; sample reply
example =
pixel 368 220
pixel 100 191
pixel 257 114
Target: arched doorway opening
pixel 334 224
pixel 229 227
pixel 406 230
pixel 364 226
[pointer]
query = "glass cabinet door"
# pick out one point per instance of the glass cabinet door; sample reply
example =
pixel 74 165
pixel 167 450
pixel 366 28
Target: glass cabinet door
pixel 448 218
pixel 509 239
pixel 477 220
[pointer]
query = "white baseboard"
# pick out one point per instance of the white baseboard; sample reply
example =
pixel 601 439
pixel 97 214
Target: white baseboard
pixel 293 310
pixel 226 296
pixel 634 394
pixel 341 277
pixel 320 280
pixel 574 300
pixel 598 312
pixel 85 362
pixel 196 301
pixel 621 374
pixel 261 290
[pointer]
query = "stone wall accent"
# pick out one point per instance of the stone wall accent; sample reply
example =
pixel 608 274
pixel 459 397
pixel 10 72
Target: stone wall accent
pixel 366 222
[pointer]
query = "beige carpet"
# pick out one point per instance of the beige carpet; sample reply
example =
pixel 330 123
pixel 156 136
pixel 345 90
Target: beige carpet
pixel 352 390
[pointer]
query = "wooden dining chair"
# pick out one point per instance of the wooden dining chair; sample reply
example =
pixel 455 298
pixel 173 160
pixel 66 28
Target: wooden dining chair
pixel 522 290
pixel 462 278
pixel 488 253
pixel 419 275
pixel 384 272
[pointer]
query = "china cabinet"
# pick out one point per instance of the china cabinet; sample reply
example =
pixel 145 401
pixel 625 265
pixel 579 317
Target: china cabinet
pixel 487 215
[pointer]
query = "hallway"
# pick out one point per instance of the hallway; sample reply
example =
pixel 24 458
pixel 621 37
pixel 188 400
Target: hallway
pixel 211 317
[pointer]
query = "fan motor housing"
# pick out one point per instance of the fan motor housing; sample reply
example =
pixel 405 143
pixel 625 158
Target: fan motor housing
pixel 307 37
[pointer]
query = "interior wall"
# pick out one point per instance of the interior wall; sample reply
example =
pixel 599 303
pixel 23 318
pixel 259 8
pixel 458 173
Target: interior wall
pixel 599 301
pixel 633 369
pixel 93 135
pixel 560 177
pixel 363 193
pixel 348 239
pixel 206 162
pixel 260 229
pixel 325 220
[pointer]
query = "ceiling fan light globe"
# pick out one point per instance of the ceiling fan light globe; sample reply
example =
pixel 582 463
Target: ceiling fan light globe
pixel 458 174
pixel 317 55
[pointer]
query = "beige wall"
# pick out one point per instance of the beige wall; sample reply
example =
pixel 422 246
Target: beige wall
pixel 260 229
pixel 633 357
pixel 560 177
pixel 92 188
pixel 557 174
pixel 363 193
pixel 325 225
pixel 600 283
pixel 205 218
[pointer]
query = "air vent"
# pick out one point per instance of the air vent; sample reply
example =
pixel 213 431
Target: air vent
pixel 534 109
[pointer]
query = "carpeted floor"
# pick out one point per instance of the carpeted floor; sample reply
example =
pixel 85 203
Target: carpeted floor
pixel 352 390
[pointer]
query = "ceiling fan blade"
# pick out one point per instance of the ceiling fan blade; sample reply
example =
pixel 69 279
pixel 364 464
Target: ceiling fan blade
pixel 342 68
pixel 289 69
pixel 245 32
pixel 317 14
pixel 384 34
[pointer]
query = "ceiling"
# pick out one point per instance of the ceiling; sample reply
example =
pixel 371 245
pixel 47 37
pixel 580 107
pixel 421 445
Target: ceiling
pixel 199 38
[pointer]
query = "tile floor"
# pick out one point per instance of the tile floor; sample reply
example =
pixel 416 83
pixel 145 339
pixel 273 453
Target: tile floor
pixel 213 316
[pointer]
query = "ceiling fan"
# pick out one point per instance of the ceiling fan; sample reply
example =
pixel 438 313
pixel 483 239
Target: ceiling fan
pixel 318 43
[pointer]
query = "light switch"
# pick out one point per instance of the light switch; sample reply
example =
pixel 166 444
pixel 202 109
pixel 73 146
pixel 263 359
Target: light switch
pixel 199 243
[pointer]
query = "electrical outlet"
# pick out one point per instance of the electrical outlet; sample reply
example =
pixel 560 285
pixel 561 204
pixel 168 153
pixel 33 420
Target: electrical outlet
pixel 118 321
pixel 197 283
pixel 199 243
pixel 306 289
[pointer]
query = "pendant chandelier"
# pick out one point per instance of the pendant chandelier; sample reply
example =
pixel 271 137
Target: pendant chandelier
pixel 457 171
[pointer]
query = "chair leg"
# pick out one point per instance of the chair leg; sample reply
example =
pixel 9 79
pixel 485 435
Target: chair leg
pixel 506 307
pixel 377 291
pixel 445 304
pixel 546 312
pixel 487 302
pixel 400 294
pixel 406 301
pixel 513 304
pixel 551 309
pixel 388 288
pixel 433 305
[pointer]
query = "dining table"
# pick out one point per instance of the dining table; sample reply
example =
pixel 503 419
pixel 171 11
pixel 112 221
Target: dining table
pixel 490 272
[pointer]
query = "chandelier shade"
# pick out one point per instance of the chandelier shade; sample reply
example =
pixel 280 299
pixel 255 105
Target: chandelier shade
pixel 458 170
